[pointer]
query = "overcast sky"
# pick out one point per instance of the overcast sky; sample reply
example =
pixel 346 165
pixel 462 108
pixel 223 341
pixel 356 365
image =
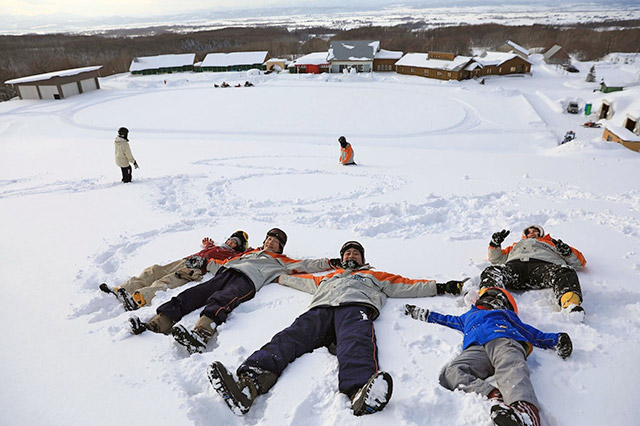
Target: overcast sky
pixel 98 8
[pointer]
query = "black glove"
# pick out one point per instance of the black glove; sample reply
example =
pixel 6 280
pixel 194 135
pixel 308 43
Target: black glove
pixel 562 248
pixel 420 314
pixel 450 287
pixel 196 262
pixel 335 263
pixel 564 346
pixel 135 164
pixel 498 237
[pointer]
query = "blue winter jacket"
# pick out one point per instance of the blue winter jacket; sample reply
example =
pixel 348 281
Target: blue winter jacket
pixel 482 325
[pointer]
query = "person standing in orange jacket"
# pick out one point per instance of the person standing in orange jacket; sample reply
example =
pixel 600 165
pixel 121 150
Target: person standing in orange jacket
pixel 346 152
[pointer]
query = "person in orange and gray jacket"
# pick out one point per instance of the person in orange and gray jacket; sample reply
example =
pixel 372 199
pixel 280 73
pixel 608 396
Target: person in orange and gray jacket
pixel 139 291
pixel 536 261
pixel 345 303
pixel 124 157
pixel 236 281
pixel 346 152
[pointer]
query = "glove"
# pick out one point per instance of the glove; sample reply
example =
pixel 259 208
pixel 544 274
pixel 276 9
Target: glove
pixel 196 262
pixel 564 346
pixel 207 242
pixel 189 274
pixel 135 164
pixel 450 287
pixel 335 263
pixel 562 248
pixel 498 237
pixel 420 314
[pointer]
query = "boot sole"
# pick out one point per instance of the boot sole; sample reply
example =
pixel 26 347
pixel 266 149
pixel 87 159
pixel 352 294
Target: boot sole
pixel 222 383
pixel 137 326
pixel 185 338
pixel 375 396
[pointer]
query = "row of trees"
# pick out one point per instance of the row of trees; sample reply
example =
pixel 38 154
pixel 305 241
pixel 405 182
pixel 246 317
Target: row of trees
pixel 35 54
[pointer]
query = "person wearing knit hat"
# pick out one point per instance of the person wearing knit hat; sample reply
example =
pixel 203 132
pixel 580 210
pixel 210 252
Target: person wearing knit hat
pixel 537 261
pixel 139 291
pixel 496 344
pixel 236 281
pixel 342 312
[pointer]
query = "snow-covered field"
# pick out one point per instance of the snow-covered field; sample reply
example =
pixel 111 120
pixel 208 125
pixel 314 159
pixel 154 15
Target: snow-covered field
pixel 442 165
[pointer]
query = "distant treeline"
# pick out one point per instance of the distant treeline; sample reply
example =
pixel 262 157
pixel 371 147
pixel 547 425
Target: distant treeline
pixel 36 54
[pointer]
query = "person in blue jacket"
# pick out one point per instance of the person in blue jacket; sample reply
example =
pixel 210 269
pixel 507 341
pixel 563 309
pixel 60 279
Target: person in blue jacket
pixel 496 343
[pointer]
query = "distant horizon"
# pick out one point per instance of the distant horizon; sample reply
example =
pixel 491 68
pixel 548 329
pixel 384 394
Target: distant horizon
pixel 295 14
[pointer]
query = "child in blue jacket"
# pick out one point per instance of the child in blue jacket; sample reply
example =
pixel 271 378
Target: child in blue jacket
pixel 496 343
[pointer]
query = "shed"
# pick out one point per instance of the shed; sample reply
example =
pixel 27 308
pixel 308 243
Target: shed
pixel 385 60
pixel 235 61
pixel 439 65
pixel 313 63
pixel 145 65
pixel 57 84
pixel 353 54
pixel 556 55
pixel 276 64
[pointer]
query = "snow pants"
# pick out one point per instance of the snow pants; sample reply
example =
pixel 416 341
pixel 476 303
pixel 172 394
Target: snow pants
pixel 219 295
pixel 349 326
pixel 126 174
pixel 503 358
pixel 154 279
pixel 518 275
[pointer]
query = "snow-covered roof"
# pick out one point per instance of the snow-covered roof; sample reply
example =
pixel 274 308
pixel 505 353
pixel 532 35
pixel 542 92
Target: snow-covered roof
pixel 422 60
pixel 496 58
pixel 353 50
pixel 388 54
pixel 517 47
pixel 161 61
pixel 549 53
pixel 49 75
pixel 624 104
pixel 316 58
pixel 234 58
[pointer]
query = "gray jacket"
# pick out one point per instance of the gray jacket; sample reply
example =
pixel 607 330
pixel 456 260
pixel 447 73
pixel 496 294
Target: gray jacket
pixel 262 267
pixel 542 248
pixel 361 286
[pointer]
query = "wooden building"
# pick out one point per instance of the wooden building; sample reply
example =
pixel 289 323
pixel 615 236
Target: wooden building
pixel 499 63
pixel 161 64
pixel 439 65
pixel 556 55
pixel 57 84
pixel 511 47
pixel 385 60
pixel 620 113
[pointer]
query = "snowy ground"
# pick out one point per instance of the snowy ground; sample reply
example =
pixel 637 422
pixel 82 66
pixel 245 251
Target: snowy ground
pixel 442 165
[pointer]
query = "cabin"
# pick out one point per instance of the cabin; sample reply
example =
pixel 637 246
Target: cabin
pixel 556 55
pixel 162 64
pixel 622 114
pixel 499 63
pixel 57 84
pixel 511 47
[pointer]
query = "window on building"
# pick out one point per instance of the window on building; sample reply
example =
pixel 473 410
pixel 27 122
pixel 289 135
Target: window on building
pixel 512 69
pixel 412 70
pixel 439 73
pixel 448 74
pixel 630 124
pixel 609 138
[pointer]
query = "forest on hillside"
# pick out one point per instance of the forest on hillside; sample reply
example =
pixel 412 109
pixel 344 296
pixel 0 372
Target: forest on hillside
pixel 35 54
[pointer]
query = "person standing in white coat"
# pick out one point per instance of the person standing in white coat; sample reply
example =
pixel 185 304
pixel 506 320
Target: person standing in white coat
pixel 124 157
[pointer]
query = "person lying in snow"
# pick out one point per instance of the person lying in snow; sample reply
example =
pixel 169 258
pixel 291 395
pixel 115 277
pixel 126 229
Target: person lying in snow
pixel 236 280
pixel 344 306
pixel 496 343
pixel 139 291
pixel 536 261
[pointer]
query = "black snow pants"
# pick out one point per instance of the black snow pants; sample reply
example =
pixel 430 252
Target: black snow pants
pixel 126 174
pixel 349 326
pixel 220 295
pixel 532 275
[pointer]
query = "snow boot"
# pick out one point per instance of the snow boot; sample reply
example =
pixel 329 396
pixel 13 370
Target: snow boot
pixel 121 294
pixel 137 326
pixel 139 299
pixel 495 395
pixel 238 395
pixel 520 413
pixel 160 324
pixel 374 395
pixel 195 341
